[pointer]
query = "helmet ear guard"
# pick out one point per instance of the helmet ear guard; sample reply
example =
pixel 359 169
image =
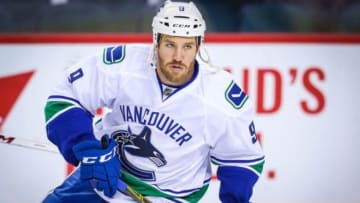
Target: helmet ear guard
pixel 178 19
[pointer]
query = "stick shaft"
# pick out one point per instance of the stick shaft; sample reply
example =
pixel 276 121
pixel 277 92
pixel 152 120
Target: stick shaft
pixel 22 142
pixel 48 147
pixel 137 196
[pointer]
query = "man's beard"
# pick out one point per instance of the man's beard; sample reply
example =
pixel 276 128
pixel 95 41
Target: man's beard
pixel 177 78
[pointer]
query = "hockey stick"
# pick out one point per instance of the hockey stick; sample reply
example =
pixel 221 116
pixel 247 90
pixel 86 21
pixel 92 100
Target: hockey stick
pixel 21 142
pixel 48 147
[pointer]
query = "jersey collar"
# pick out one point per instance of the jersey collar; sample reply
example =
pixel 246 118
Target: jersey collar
pixel 165 95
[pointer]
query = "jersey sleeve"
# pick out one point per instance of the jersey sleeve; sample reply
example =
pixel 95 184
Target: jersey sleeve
pixel 236 143
pixel 90 84
pixel 233 142
pixel 239 156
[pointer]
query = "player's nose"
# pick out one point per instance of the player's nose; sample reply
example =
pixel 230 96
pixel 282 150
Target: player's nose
pixel 178 54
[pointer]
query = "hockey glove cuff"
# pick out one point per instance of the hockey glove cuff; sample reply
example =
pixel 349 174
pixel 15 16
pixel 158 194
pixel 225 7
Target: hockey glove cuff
pixel 99 164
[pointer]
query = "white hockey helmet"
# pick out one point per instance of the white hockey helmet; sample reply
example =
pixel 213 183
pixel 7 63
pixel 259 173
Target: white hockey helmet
pixel 178 19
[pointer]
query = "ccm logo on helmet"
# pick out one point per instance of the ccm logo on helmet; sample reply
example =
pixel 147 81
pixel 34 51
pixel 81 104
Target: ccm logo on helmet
pixel 181 25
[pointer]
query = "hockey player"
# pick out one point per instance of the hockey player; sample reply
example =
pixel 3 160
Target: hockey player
pixel 169 116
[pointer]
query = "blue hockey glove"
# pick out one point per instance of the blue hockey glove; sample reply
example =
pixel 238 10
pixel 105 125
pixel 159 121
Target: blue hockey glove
pixel 99 164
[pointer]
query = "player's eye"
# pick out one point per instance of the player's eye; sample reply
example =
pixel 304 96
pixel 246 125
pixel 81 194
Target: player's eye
pixel 169 45
pixel 188 46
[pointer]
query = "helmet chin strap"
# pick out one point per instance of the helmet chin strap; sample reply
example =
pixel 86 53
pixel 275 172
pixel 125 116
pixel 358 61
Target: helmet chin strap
pixel 205 57
pixel 152 58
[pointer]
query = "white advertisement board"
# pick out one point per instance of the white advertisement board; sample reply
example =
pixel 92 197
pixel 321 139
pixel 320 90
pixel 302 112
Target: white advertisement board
pixel 307 114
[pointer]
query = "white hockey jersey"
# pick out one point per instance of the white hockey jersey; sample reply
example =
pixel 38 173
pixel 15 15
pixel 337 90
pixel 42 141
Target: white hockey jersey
pixel 166 138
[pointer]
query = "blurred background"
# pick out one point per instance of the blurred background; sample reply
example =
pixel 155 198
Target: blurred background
pixel 339 16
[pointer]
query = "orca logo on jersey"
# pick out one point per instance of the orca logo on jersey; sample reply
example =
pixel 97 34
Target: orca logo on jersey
pixel 140 146
pixel 235 96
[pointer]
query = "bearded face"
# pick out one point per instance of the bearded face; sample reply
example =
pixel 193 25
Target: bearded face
pixel 176 59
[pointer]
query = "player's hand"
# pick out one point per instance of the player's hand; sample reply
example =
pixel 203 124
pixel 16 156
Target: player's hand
pixel 99 164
